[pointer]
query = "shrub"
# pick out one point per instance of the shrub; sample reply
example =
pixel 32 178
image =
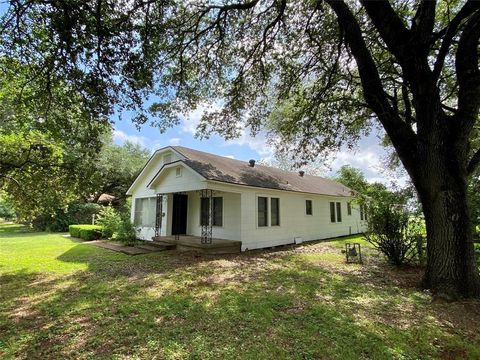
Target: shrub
pixel 86 232
pixel 75 213
pixel 126 232
pixel 110 220
pixel 117 225
pixel 391 231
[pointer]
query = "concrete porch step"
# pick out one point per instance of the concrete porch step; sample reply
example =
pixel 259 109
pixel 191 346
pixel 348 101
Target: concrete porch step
pixel 151 247
pixel 163 244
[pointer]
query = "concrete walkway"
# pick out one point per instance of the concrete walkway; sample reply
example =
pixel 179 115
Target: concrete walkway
pixel 140 248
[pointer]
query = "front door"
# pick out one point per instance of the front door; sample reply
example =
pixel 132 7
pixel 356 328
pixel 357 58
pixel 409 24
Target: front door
pixel 179 218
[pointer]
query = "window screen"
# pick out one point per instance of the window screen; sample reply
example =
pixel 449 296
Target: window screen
pixel 262 211
pixel 339 212
pixel 308 207
pixel 204 211
pixel 275 211
pixel 349 208
pixel 145 209
pixel 217 211
pixel 332 212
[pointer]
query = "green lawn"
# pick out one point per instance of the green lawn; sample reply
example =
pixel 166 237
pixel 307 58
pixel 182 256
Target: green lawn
pixel 64 299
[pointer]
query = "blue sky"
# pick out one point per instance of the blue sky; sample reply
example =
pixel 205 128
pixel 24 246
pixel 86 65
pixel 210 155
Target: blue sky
pixel 367 156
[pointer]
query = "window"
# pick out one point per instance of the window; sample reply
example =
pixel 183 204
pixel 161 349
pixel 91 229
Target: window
pixel 274 211
pixel 308 207
pixel 349 208
pixel 262 211
pixel 339 212
pixel 332 212
pixel 217 211
pixel 335 212
pixel 204 211
pixel 145 209
pixel 178 172
pixel 363 212
pixel 167 158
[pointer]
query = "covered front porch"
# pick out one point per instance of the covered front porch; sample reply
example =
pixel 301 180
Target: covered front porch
pixel 203 220
pixel 195 243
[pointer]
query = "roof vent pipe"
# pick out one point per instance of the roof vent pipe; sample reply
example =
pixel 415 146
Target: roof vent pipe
pixel 301 173
pixel 251 163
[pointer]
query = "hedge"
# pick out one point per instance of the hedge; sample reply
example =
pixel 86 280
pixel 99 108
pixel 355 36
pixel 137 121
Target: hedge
pixel 86 232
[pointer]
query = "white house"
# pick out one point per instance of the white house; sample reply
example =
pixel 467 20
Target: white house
pixel 183 192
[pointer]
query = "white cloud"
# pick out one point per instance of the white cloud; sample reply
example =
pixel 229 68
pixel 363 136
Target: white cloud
pixel 191 120
pixel 174 141
pixel 229 156
pixel 370 161
pixel 121 137
pixel 258 143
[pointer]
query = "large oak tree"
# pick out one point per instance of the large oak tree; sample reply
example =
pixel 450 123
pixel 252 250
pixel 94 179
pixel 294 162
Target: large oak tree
pixel 315 73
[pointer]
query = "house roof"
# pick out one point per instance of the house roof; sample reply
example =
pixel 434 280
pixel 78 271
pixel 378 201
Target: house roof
pixel 219 168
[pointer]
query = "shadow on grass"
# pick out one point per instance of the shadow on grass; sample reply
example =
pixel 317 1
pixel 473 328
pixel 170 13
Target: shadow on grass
pixel 257 305
pixel 13 229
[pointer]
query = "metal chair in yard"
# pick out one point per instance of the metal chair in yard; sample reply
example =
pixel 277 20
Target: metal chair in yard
pixel 353 253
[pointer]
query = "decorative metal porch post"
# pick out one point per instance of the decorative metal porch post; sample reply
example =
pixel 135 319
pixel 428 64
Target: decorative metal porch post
pixel 158 215
pixel 208 222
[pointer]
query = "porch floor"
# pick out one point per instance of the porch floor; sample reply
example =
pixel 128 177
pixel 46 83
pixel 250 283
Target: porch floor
pixel 194 243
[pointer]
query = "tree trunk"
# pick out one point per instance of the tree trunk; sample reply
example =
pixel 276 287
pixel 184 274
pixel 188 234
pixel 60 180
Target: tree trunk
pixel 452 271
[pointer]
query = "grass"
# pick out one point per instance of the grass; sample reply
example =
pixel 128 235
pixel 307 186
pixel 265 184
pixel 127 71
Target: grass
pixel 64 299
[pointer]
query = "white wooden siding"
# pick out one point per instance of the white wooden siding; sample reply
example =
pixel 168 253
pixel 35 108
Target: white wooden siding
pixel 240 209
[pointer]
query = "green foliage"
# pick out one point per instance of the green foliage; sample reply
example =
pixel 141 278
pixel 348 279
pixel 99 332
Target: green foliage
pixel 353 178
pixel 126 231
pixel 392 230
pixel 48 142
pixel 7 211
pixel 117 225
pixel 75 213
pixel 116 167
pixel 86 232
pixel 110 220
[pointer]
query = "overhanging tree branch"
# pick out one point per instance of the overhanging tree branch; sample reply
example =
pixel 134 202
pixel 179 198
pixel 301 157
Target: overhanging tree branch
pixel 450 31
pixel 399 132
pixel 468 73
pixel 423 22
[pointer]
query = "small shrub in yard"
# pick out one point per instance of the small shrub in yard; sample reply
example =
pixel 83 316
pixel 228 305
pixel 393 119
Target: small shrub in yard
pixel 110 220
pixel 391 231
pixel 86 232
pixel 117 225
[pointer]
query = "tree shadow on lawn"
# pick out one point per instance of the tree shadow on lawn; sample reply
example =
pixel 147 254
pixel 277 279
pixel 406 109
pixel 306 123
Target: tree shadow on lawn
pixel 257 305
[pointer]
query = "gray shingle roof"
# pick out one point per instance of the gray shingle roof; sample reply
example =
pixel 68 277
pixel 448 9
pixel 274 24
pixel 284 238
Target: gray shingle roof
pixel 219 168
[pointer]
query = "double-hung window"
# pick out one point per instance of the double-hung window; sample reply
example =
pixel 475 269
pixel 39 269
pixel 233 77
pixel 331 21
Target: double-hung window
pixel 268 211
pixel 335 212
pixel 217 211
